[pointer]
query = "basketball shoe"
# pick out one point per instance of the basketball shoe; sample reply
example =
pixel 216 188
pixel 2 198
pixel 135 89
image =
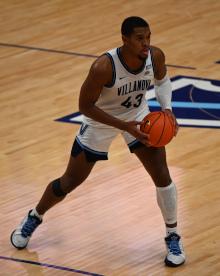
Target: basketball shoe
pixel 175 253
pixel 21 235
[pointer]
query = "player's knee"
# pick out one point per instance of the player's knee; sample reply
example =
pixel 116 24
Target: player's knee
pixel 62 186
pixel 57 189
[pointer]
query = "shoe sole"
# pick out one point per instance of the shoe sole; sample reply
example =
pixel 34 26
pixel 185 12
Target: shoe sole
pixel 18 247
pixel 170 264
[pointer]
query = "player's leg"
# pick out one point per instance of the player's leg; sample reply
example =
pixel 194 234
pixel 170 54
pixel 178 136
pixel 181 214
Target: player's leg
pixel 77 171
pixel 91 145
pixel 154 161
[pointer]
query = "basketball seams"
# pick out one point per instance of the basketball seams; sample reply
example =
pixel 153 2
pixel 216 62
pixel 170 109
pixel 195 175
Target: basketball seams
pixel 148 119
pixel 161 135
pixel 151 125
pixel 172 124
pixel 160 127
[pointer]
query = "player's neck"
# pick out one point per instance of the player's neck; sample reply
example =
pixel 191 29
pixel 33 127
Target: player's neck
pixel 133 62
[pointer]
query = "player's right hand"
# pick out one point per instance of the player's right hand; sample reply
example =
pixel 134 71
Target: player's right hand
pixel 132 127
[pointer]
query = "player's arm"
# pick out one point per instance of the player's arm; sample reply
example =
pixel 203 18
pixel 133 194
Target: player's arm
pixel 163 88
pixel 99 75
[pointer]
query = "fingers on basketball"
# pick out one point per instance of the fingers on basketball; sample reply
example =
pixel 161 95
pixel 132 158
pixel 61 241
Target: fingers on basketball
pixel 160 127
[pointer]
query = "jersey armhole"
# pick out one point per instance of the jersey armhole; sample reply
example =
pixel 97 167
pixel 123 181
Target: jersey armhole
pixel 152 60
pixel 113 72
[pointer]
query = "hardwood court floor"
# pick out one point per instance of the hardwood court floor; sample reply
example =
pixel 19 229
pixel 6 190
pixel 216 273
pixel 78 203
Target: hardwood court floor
pixel 110 225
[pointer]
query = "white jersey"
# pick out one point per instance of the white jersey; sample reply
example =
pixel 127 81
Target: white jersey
pixel 125 97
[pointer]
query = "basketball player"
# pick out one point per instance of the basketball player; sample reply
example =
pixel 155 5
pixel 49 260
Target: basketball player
pixel 112 100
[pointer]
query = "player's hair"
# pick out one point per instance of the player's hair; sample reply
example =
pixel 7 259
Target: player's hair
pixel 132 22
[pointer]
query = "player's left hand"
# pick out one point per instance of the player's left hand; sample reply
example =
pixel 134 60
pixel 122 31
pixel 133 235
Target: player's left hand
pixel 173 117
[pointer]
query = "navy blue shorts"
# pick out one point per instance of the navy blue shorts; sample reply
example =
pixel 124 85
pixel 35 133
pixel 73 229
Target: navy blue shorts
pixel 93 155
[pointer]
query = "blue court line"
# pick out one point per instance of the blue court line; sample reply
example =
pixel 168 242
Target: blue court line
pixel 72 53
pixel 181 66
pixel 51 266
pixel 188 105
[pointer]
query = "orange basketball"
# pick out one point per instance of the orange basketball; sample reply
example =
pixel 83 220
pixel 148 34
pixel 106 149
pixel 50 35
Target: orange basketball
pixel 160 128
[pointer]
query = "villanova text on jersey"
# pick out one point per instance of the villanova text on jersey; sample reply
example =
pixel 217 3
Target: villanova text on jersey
pixel 137 85
pixel 123 97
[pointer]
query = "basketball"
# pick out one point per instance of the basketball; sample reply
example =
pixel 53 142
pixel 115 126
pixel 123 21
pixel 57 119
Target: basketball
pixel 160 128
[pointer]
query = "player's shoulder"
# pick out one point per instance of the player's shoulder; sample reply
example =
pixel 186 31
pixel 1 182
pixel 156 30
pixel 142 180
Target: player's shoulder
pixel 101 69
pixel 102 64
pixel 158 60
pixel 157 54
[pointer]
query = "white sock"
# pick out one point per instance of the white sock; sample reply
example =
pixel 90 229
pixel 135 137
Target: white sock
pixel 35 213
pixel 167 201
pixel 170 230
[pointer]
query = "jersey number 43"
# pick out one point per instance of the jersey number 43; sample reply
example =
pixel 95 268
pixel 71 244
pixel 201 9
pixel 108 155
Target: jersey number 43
pixel 133 102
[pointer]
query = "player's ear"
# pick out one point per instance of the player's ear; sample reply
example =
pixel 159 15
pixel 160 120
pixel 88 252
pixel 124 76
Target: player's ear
pixel 125 39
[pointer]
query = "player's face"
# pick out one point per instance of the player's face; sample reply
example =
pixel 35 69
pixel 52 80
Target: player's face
pixel 138 42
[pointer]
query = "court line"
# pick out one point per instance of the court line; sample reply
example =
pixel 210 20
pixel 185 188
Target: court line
pixel 188 104
pixel 73 53
pixel 46 50
pixel 181 66
pixel 51 266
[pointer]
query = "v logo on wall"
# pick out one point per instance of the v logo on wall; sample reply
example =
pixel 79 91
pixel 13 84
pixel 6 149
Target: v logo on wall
pixel 195 102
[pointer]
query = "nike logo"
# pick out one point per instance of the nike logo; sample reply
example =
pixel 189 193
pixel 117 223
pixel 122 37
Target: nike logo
pixel 120 78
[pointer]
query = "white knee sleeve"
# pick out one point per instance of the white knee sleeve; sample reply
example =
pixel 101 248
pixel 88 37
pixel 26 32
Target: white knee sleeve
pixel 167 201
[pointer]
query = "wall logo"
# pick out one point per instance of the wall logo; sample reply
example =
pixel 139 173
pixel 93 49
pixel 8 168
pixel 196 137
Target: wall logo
pixel 195 102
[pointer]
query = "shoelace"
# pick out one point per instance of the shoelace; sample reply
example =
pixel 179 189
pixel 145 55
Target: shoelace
pixel 29 226
pixel 173 246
